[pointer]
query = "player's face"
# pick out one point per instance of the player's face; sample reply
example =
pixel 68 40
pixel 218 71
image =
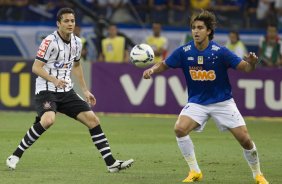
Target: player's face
pixel 200 32
pixel 67 23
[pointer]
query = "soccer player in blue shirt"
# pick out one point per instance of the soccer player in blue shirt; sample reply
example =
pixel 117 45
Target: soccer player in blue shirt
pixel 205 64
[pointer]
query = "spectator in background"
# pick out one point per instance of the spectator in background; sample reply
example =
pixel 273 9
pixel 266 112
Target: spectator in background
pixel 266 13
pixel 12 10
pixel 200 4
pixel 269 47
pixel 229 13
pixel 140 10
pixel 250 12
pixel 121 13
pixel 158 42
pixel 84 51
pixel 159 11
pixel 278 10
pixel 236 45
pixel 178 10
pixel 114 47
pixel 102 8
pixel 187 38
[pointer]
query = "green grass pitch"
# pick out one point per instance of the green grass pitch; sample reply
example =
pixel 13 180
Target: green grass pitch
pixel 66 155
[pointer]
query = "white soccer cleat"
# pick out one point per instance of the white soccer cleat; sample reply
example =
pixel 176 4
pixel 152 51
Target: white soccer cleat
pixel 120 165
pixel 12 161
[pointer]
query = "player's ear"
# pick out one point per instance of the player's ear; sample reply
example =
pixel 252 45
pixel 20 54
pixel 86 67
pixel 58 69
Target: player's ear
pixel 209 31
pixel 58 23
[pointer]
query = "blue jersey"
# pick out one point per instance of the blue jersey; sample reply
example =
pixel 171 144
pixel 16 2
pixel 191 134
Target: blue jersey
pixel 205 71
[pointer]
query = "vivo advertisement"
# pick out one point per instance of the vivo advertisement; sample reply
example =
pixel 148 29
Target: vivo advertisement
pixel 16 85
pixel 119 88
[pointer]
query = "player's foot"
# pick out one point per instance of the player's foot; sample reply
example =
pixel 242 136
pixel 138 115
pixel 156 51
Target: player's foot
pixel 12 161
pixel 193 176
pixel 120 165
pixel 260 179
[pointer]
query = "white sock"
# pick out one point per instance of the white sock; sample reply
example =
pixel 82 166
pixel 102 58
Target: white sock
pixel 186 147
pixel 253 160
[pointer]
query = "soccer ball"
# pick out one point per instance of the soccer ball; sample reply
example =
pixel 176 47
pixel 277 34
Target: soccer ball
pixel 142 55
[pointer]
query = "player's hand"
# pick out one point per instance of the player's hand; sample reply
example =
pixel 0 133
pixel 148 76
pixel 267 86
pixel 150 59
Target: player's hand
pixel 90 99
pixel 251 58
pixel 59 83
pixel 147 73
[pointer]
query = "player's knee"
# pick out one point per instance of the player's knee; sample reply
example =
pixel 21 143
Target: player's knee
pixel 92 121
pixel 47 122
pixel 180 131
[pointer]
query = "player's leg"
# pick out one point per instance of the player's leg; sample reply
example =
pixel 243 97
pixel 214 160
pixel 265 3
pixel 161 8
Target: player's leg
pixel 101 142
pixel 250 152
pixel 228 117
pixel 184 125
pixel 46 111
pixel 78 109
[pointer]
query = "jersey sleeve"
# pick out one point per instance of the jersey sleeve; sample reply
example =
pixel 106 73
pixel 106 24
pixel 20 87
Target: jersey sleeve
pixel 45 49
pixel 230 58
pixel 174 60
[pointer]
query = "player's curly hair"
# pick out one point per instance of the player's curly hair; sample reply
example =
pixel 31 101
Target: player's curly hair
pixel 64 11
pixel 208 18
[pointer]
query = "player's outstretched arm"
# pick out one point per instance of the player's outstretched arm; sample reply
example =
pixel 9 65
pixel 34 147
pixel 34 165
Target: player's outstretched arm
pixel 157 68
pixel 248 64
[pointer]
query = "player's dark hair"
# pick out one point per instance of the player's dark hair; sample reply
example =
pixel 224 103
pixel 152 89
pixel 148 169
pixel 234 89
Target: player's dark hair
pixel 64 11
pixel 208 18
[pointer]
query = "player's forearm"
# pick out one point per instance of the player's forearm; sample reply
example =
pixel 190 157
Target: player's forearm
pixel 78 73
pixel 38 70
pixel 159 67
pixel 250 67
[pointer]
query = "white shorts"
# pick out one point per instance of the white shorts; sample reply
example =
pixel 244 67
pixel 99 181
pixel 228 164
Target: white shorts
pixel 225 114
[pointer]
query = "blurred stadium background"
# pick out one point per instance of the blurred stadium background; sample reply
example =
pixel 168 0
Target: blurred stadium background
pixel 121 93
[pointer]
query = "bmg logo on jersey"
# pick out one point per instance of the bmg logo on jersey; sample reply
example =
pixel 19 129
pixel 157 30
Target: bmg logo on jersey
pixel 202 75
pixel 62 65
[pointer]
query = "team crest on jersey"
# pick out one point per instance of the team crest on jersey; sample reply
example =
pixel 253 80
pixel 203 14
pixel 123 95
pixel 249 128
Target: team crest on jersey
pixel 47 105
pixel 200 60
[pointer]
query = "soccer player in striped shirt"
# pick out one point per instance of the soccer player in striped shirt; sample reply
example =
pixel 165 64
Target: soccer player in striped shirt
pixel 205 64
pixel 57 57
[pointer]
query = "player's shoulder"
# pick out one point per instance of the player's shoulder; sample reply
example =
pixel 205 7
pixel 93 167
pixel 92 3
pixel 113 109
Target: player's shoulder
pixel 51 38
pixel 216 46
pixel 186 47
pixel 76 38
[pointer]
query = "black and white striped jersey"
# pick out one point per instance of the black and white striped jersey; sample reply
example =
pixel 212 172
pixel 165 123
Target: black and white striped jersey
pixel 59 56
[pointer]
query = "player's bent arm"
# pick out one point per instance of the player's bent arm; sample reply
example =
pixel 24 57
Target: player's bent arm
pixel 157 68
pixel 244 66
pixel 248 64
pixel 37 68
